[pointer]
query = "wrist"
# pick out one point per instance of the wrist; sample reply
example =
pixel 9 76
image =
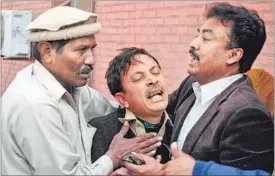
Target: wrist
pixel 112 156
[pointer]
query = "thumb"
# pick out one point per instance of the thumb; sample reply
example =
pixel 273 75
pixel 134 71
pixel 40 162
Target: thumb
pixel 124 129
pixel 174 150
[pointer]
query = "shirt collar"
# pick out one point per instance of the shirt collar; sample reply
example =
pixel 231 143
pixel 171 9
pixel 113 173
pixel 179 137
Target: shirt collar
pixel 131 117
pixel 209 91
pixel 48 80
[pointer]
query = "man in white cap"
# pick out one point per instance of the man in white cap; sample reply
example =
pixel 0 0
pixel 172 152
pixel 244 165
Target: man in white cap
pixel 48 104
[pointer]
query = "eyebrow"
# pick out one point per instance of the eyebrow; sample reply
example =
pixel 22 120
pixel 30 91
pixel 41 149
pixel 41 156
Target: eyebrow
pixel 154 68
pixel 86 46
pixel 205 31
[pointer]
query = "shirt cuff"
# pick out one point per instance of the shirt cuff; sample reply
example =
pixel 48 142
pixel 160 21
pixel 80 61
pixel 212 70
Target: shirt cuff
pixel 103 165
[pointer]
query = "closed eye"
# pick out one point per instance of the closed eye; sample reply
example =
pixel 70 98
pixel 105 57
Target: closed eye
pixel 137 77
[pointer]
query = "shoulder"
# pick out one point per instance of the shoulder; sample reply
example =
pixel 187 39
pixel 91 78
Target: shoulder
pixel 244 97
pixel 109 119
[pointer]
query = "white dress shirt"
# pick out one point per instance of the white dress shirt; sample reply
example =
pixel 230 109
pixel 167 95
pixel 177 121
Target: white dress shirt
pixel 45 130
pixel 205 95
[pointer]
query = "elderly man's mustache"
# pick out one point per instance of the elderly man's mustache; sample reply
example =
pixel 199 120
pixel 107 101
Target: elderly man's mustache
pixel 86 70
pixel 194 54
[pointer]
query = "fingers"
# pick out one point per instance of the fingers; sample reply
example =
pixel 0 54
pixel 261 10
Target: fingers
pixel 151 149
pixel 175 152
pixel 142 156
pixel 152 143
pixel 124 129
pixel 146 136
pixel 158 158
pixel 120 172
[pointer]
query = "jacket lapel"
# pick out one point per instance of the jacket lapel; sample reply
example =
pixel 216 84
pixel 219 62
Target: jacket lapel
pixel 207 117
pixel 180 116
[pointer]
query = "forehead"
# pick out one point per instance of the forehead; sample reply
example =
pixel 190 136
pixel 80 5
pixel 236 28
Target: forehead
pixel 216 27
pixel 87 40
pixel 141 61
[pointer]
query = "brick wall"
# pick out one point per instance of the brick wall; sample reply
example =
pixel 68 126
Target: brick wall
pixel 164 28
pixel 9 68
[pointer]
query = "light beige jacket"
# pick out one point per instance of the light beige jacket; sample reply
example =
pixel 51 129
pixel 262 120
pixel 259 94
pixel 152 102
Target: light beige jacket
pixel 44 129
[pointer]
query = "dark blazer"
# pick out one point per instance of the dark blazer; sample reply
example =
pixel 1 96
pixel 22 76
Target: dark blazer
pixel 108 126
pixel 235 130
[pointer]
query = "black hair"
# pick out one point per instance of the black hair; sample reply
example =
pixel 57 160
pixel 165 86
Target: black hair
pixel 120 64
pixel 58 45
pixel 247 30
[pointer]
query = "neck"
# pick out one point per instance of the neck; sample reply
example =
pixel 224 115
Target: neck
pixel 207 78
pixel 155 119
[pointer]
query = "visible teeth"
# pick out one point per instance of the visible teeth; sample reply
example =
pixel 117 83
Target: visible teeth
pixel 154 93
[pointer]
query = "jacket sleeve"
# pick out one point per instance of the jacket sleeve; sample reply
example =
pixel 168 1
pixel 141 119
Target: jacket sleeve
pixel 211 168
pixel 247 142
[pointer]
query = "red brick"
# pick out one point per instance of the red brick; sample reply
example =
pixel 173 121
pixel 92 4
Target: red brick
pixel 141 39
pixel 168 21
pixel 128 39
pixel 129 7
pixel 148 30
pixel 106 3
pixel 171 39
pixel 115 8
pixel 135 14
pixel 168 12
pixel 156 21
pixel 149 13
pixel 164 30
pixel 112 16
pixel 130 22
pixel 142 5
pixel 156 39
pixel 155 4
pixel 180 30
pixel 261 6
pixel 172 4
pixel 134 30
pixel 123 15
pixel 142 22
pixel 268 17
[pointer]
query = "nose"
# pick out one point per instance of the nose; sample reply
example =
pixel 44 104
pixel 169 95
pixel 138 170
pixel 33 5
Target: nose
pixel 89 60
pixel 152 80
pixel 195 43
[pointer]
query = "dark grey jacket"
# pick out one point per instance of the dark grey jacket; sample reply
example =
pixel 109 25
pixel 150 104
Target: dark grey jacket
pixel 108 126
pixel 235 130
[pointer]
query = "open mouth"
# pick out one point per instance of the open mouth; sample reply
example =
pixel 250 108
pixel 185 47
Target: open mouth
pixel 194 55
pixel 155 93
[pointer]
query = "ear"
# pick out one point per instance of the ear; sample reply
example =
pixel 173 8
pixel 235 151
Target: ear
pixel 46 53
pixel 235 56
pixel 120 98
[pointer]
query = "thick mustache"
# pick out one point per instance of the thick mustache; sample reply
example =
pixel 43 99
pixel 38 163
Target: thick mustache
pixel 86 70
pixel 193 52
pixel 154 89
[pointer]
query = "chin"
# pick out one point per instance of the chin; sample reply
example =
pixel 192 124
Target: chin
pixel 80 84
pixel 159 107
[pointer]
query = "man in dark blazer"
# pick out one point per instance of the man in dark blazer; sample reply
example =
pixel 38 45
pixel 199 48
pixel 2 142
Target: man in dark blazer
pixel 234 127
pixel 217 115
pixel 135 79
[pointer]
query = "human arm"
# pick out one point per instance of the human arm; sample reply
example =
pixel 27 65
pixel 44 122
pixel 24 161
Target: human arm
pixel 95 104
pixel 211 168
pixel 184 164
pixel 47 146
pixel 247 141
